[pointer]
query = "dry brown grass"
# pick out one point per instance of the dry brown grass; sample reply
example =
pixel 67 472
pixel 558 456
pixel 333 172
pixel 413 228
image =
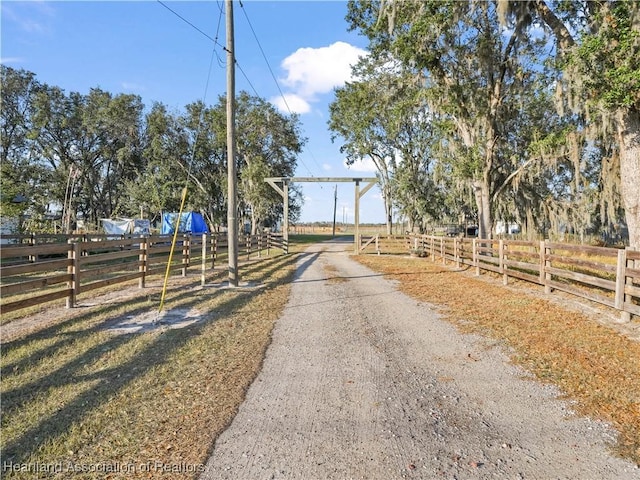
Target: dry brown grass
pixel 75 395
pixel 333 275
pixel 591 363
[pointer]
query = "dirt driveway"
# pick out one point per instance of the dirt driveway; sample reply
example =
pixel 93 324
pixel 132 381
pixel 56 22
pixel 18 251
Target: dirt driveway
pixel 361 381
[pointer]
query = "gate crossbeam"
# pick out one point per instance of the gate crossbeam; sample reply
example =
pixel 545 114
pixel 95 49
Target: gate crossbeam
pixel 284 193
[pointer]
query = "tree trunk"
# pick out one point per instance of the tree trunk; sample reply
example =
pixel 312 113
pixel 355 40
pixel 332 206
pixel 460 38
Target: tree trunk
pixel 388 207
pixel 628 123
pixel 255 224
pixel 483 202
pixel 531 225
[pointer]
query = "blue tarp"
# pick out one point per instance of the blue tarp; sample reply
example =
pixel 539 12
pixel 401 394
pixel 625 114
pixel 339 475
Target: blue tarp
pixel 190 222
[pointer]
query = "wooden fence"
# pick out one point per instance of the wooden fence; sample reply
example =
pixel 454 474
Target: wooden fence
pixel 608 276
pixel 36 273
pixel 39 238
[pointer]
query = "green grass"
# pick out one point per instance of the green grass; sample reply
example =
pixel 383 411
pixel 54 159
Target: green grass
pixel 308 239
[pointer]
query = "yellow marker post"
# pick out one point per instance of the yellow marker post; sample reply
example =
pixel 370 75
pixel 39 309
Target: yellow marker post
pixel 173 245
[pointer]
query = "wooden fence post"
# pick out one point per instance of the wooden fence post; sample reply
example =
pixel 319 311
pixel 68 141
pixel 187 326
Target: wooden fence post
pixel 502 257
pixel 456 253
pixel 203 268
pixel 214 252
pixel 74 269
pixel 185 254
pixel 621 281
pixel 547 264
pixel 260 236
pixel 541 262
pixel 32 241
pixel 474 254
pixel 442 251
pixel 142 262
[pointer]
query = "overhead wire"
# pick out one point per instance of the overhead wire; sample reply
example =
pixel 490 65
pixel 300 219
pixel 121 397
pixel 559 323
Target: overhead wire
pixel 284 99
pixel 237 64
pixel 191 159
pixel 221 61
pixel 214 40
pixel 189 23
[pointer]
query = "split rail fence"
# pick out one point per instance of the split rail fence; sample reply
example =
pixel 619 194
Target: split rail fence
pixel 608 276
pixel 33 273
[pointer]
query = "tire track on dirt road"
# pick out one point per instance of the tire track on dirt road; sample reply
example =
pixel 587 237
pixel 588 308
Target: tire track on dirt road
pixel 361 381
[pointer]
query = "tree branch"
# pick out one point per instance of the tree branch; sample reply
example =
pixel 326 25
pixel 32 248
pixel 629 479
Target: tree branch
pixel 565 39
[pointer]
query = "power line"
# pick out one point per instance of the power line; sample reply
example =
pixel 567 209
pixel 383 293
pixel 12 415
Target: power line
pixel 214 40
pixel 237 64
pixel 265 57
pixel 221 62
pixel 247 79
pixel 206 88
pixel 284 99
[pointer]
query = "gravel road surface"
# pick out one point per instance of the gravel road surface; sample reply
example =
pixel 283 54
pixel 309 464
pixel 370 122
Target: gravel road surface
pixel 361 381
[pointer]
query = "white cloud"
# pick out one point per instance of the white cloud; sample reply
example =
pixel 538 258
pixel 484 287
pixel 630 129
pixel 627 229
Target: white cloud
pixel 319 70
pixel 32 26
pixel 361 165
pixel 315 71
pixel 326 167
pixel 134 87
pixel 32 17
pixel 6 60
pixel 291 102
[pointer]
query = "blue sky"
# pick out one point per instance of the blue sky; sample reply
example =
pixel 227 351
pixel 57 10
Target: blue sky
pixel 143 48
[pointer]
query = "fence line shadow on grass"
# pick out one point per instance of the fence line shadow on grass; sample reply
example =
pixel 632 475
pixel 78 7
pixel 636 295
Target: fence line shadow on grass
pixel 110 381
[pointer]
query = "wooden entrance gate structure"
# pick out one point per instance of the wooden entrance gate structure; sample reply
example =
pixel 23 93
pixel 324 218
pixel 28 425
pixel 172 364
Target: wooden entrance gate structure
pixel 281 185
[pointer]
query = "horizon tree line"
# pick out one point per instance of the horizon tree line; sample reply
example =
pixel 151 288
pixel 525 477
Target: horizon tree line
pixel 100 155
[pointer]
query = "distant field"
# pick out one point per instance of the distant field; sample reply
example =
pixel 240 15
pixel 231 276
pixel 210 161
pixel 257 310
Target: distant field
pixel 366 229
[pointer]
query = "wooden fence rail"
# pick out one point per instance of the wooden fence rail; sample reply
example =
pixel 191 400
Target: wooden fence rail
pixel 36 273
pixel 608 276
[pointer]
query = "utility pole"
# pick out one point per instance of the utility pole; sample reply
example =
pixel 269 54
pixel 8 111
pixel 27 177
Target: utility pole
pixel 356 220
pixel 232 220
pixel 335 205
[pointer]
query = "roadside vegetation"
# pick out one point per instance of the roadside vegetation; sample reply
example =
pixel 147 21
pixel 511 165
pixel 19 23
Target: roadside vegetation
pixel 504 111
